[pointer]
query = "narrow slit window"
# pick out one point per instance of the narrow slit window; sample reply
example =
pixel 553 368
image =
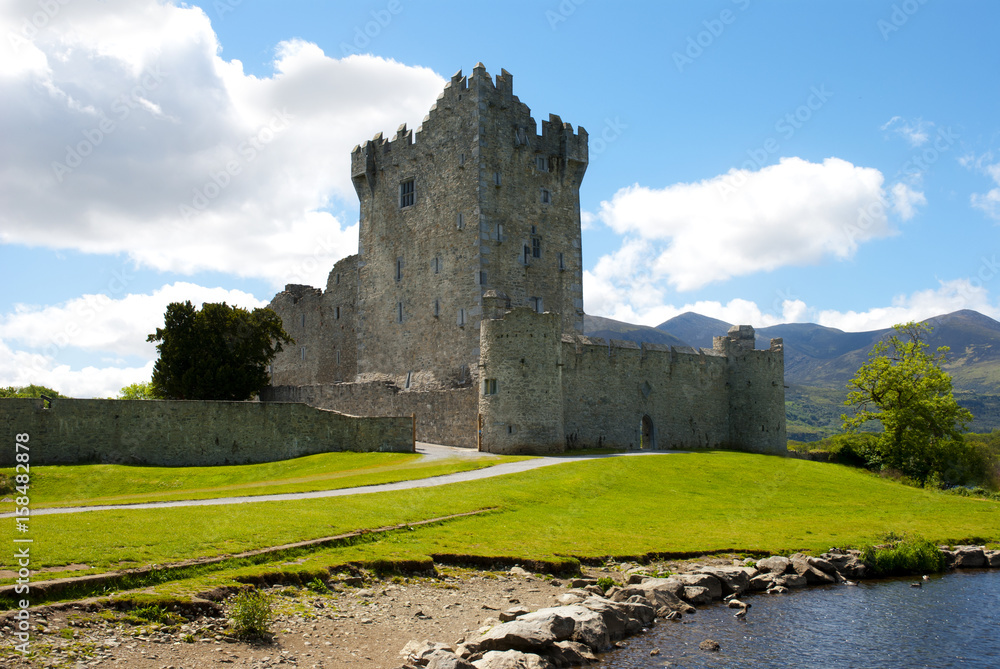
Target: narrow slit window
pixel 460 221
pixel 399 269
pixel 303 320
pixel 499 232
pixel 461 317
pixel 338 278
pixel 338 357
pixel 496 178
pixel 399 312
pixel 482 277
pixel 546 196
pixel 461 159
pixel 407 194
pixel 302 353
pixel 527 254
pixel 536 247
pixel 562 264
pixel 436 264
pixel 336 313
pixel 437 308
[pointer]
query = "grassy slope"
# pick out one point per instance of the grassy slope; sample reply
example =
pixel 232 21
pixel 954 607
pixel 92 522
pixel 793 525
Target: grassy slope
pixel 621 506
pixel 85 485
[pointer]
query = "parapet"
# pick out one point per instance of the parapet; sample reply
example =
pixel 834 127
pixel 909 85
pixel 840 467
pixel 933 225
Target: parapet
pixel 298 291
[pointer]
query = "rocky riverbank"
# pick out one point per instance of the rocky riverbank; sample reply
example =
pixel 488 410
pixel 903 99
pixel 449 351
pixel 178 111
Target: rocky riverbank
pixel 473 617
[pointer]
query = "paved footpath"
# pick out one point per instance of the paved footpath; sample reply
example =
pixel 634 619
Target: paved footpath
pixel 429 451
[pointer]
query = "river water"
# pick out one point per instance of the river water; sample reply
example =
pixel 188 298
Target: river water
pixel 952 621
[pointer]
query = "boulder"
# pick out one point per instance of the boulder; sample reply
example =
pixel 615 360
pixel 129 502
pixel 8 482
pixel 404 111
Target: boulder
pixel 695 594
pixel 518 571
pixel 659 592
pixel 442 659
pixel 776 564
pixel 734 580
pixel 513 613
pixel 570 654
pixel 512 659
pixel 848 565
pixel 582 582
pixel 525 635
pixel 823 565
pixel 762 582
pixel 710 645
pixel 790 581
pixel 969 557
pixel 707 581
pixel 640 613
pixel 814 576
pixel 569 598
pixel 589 627
pixel 992 558
pixel 622 618
pixel 419 652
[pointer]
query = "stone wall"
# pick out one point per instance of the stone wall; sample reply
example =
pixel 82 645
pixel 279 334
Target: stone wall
pixel 442 416
pixel 179 433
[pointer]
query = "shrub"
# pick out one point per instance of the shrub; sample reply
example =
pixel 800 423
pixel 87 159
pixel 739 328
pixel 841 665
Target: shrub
pixel 252 614
pixel 605 583
pixel 318 586
pixel 903 556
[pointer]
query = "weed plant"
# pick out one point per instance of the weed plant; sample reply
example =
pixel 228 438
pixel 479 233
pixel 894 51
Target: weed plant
pixel 252 614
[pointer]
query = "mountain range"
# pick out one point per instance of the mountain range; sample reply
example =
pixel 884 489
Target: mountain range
pixel 820 360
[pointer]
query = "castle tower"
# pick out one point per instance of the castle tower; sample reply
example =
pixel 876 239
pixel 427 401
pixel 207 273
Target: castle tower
pixel 477 200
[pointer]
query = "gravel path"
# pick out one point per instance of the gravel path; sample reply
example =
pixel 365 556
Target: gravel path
pixel 430 451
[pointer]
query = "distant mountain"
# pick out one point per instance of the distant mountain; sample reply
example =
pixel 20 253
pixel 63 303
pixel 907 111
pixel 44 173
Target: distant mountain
pixel 595 326
pixel 695 329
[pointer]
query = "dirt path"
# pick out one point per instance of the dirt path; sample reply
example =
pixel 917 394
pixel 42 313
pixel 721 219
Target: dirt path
pixel 430 451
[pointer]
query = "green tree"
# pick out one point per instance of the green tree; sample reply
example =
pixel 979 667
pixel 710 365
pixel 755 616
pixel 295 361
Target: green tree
pixel 903 387
pixel 217 353
pixel 137 391
pixel 29 391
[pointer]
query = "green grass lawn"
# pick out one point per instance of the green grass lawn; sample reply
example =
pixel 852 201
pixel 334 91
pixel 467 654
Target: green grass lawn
pixel 86 485
pixel 611 506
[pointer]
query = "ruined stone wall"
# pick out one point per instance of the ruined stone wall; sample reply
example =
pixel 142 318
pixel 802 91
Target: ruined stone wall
pixel 324 327
pixel 190 433
pixel 608 387
pixel 521 390
pixel 757 398
pixel 443 416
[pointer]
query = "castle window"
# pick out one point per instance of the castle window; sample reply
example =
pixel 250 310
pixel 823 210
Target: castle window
pixel 461 317
pixel 536 247
pixel 399 312
pixel 562 265
pixel 520 137
pixel 303 320
pixel 407 194
pixel 338 278
pixel 399 269
pixel 302 353
pixel 336 313
pixel 527 254
pixel 499 232
pixel 536 305
pixel 496 178
pixel 436 264
pixel 461 160
pixel 338 357
pixel 409 376
pixel 460 221
pixel 437 308
pixel 482 277
pixel 546 196
pixel 543 163
pixel 489 386
pixel 534 229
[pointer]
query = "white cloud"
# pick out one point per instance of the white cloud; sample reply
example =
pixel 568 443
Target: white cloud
pixel 95 323
pixel 905 200
pixel 915 132
pixel 165 123
pixel 989 202
pixel 792 213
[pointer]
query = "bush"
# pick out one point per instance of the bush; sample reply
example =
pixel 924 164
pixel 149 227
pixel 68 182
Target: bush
pixel 252 614
pixel 902 557
pixel 318 586
pixel 605 583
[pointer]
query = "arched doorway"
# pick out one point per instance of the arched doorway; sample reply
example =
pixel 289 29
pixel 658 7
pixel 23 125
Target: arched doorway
pixel 648 440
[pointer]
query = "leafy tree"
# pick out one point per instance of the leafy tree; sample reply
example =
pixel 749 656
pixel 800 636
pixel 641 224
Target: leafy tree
pixel 218 353
pixel 137 391
pixel 903 387
pixel 29 391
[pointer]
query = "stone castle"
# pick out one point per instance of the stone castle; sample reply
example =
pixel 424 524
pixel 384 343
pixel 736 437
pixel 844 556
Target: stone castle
pixel 464 304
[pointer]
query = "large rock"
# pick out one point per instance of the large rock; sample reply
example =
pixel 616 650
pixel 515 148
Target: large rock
pixel 442 659
pixel 570 654
pixel 525 635
pixel 847 564
pixel 823 565
pixel 992 558
pixel 790 581
pixel 762 582
pixel 589 627
pixel 622 618
pixel 814 576
pixel 695 594
pixel 419 652
pixel 707 581
pixel 734 580
pixel 659 592
pixel 512 659
pixel 969 557
pixel 776 564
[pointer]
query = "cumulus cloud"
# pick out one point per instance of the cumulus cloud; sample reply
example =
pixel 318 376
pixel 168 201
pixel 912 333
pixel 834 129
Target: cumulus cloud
pixel 989 202
pixel 916 132
pixel 135 136
pixel 48 338
pixel 905 200
pixel 793 213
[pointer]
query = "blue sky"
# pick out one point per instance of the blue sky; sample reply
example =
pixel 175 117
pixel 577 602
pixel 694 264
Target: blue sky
pixel 759 162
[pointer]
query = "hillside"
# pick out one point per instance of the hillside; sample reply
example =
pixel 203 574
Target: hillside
pixel 595 326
